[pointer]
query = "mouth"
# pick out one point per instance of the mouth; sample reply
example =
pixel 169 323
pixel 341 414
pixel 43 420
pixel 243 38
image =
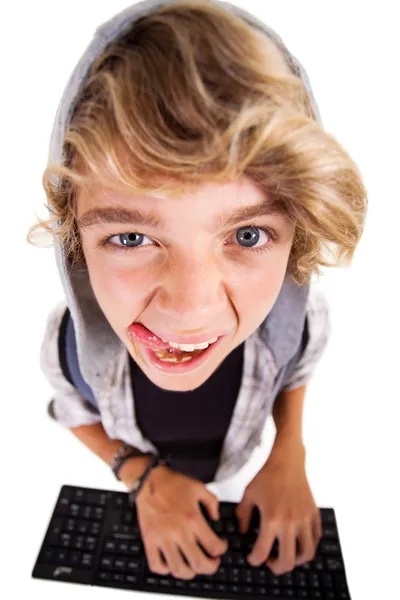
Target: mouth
pixel 173 360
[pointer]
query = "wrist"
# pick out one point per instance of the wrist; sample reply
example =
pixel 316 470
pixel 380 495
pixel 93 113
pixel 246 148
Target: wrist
pixel 132 469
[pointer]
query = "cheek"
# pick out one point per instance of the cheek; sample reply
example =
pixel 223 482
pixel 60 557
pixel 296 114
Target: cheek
pixel 257 289
pixel 118 290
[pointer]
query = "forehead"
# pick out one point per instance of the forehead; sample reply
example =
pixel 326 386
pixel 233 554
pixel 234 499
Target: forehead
pixel 213 205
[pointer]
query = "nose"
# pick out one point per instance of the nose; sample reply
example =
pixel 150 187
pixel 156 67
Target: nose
pixel 192 294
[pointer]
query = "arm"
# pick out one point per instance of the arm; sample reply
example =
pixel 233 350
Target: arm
pixel 95 438
pixel 287 413
pixel 288 407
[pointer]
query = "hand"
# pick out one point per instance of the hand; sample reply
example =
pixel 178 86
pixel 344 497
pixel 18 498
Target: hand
pixel 282 494
pixel 171 522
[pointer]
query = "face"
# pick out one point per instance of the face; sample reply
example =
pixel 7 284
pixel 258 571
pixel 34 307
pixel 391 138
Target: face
pixel 187 272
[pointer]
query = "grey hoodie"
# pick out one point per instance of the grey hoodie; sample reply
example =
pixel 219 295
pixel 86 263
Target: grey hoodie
pixel 104 360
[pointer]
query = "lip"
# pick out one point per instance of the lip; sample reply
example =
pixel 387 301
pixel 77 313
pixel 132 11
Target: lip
pixel 180 367
pixel 178 339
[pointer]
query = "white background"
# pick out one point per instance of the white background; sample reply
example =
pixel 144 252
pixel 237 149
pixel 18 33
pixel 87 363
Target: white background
pixel 351 411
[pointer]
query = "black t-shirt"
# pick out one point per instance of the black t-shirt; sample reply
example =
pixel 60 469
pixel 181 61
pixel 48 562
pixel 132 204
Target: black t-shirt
pixel 190 425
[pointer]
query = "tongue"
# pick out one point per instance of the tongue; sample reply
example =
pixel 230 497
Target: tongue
pixel 139 333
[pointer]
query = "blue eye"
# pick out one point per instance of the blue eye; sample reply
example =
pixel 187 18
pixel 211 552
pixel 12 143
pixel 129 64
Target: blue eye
pixel 250 236
pixel 126 239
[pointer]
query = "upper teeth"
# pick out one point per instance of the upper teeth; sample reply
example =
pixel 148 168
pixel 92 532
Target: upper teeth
pixel 191 347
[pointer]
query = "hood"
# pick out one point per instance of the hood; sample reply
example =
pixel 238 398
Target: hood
pixel 97 343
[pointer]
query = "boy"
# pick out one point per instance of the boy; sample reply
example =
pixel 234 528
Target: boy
pixel 195 194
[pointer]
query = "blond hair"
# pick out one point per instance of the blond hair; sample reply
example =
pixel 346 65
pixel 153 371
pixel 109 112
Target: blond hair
pixel 193 94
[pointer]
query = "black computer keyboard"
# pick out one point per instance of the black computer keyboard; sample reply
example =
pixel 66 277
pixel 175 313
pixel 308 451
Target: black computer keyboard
pixel 93 538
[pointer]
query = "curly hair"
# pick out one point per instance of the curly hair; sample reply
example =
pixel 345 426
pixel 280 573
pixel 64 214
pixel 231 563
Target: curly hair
pixel 194 94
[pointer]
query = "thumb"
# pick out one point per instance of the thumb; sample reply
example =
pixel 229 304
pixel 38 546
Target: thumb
pixel 211 502
pixel 243 514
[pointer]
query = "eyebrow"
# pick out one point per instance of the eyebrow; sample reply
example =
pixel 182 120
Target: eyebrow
pixel 134 216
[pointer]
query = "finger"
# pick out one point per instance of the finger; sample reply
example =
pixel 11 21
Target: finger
pixel 199 562
pixel 264 541
pixel 211 502
pixel 243 514
pixel 154 560
pixel 306 543
pixel 287 550
pixel 211 542
pixel 176 562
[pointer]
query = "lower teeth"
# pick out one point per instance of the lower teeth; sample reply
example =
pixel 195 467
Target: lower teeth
pixel 161 354
pixel 174 360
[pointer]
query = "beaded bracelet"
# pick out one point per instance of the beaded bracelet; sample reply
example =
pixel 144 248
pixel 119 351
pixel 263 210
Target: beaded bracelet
pixel 156 461
pixel 133 454
pixel 120 457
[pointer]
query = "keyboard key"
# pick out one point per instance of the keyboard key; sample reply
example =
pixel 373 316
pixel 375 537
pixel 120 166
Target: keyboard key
pixel 78 495
pixel 110 546
pixel 65 540
pixel 117 577
pixel 75 557
pixel 261 590
pixel 62 557
pixel 86 512
pixel 98 513
pixel 313 580
pixel 119 564
pixel 78 542
pixel 94 528
pixel 329 547
pixel 62 507
pixel 107 562
pixel 300 579
pixel 334 564
pixel 104 576
pixel 66 492
pixel 317 565
pixel 53 539
pixel 207 586
pixel 123 548
pixel 70 525
pixel 287 579
pixel 47 555
pixel 221 587
pixel 329 532
pixel 133 566
pixel 87 560
pixel 121 501
pixel 73 510
pixel 260 576
pixel 134 548
pixel 248 589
